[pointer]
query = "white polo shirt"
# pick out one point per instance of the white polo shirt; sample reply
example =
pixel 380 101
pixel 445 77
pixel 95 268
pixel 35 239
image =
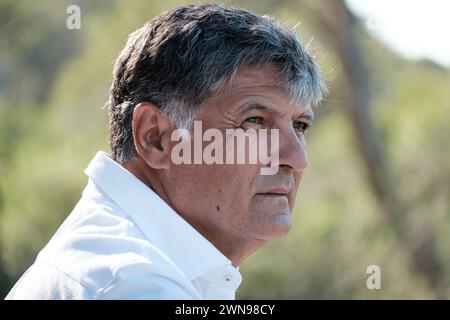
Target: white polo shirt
pixel 122 241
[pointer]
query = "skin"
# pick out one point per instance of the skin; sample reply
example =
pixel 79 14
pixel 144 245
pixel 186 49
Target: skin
pixel 233 206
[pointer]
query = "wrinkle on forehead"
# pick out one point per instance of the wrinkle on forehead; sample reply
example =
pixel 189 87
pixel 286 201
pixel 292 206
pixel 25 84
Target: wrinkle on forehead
pixel 262 76
pixel 267 77
pixel 260 85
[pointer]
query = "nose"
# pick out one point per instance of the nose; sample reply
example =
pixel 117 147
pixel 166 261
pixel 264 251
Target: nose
pixel 292 150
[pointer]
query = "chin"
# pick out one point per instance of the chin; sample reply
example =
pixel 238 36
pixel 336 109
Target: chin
pixel 278 225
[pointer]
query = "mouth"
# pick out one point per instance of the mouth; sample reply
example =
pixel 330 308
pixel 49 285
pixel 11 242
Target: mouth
pixel 274 196
pixel 275 193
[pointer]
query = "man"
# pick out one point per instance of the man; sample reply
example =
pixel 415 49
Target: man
pixel 149 227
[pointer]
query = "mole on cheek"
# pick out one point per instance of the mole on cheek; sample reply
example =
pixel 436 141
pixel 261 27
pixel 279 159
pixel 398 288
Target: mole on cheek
pixel 218 208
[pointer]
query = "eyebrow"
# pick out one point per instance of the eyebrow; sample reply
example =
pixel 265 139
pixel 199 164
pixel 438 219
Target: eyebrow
pixel 307 114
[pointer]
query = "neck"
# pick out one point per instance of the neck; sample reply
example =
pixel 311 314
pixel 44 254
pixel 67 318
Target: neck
pixel 149 178
pixel 234 246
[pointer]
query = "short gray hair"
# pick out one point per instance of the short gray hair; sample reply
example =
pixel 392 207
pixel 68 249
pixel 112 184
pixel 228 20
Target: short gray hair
pixel 184 56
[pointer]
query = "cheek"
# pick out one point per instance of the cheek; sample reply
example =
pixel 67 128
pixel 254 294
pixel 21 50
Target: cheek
pixel 236 180
pixel 228 187
pixel 233 187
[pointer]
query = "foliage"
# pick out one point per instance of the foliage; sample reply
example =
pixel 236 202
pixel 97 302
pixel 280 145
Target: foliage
pixel 54 82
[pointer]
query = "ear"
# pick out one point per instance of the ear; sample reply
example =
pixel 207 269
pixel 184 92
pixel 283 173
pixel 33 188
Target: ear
pixel 151 134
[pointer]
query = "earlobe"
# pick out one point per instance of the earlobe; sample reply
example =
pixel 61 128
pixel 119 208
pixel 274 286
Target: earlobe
pixel 151 133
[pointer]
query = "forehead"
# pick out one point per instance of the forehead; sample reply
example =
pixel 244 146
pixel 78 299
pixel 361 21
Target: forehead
pixel 258 84
pixel 252 79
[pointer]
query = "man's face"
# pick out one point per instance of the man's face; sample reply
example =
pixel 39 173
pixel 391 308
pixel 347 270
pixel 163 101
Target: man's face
pixel 235 200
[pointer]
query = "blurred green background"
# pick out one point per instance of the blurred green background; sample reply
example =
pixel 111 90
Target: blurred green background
pixel 377 191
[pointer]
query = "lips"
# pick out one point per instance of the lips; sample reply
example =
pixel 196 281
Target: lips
pixel 276 192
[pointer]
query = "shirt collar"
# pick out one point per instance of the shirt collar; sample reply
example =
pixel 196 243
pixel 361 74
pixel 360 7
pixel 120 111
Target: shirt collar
pixel 162 226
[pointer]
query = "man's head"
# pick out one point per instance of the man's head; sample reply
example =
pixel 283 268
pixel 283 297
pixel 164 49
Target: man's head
pixel 227 68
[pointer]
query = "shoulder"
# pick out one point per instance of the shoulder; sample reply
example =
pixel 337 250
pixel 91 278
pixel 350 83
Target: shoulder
pixel 99 253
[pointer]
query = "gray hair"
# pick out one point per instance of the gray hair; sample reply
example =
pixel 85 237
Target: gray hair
pixel 186 55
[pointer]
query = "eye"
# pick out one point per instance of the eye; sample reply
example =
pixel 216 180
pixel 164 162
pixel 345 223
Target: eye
pixel 301 126
pixel 255 120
